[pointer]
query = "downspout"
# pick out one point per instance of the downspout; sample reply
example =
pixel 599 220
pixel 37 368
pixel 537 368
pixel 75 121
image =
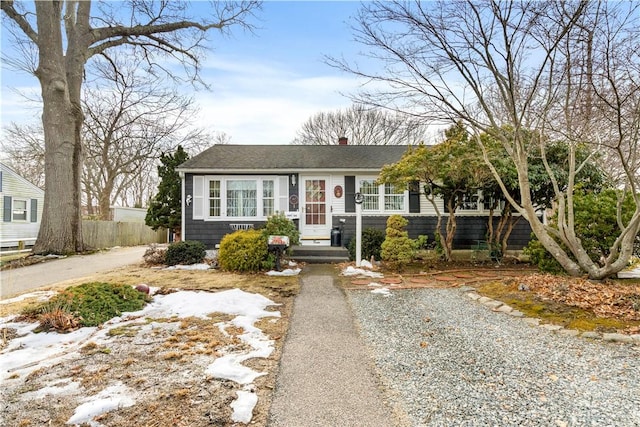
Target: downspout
pixel 183 207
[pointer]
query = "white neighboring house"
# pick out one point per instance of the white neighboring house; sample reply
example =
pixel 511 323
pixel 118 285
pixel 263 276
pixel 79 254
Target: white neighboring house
pixel 126 214
pixel 21 205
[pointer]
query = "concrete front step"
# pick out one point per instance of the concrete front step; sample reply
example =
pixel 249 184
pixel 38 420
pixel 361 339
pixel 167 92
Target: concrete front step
pixel 320 254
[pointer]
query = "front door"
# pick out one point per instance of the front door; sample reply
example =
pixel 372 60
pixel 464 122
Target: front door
pixel 316 227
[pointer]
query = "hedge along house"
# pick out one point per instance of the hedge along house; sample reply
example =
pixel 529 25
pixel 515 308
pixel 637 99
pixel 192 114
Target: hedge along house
pixel 233 187
pixel 21 205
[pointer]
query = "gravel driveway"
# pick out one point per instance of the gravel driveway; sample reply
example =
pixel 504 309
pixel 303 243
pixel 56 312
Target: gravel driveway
pixel 448 361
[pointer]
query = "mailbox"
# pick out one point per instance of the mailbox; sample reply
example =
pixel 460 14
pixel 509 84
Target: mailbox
pixel 277 245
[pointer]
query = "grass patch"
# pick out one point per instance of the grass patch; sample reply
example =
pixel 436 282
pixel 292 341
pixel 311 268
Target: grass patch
pixel 89 304
pixel 554 312
pixel 123 331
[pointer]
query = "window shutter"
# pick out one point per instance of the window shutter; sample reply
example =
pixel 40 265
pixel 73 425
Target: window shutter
pixel 198 197
pixel 349 193
pixel 414 197
pixel 7 209
pixel 34 210
pixel 283 193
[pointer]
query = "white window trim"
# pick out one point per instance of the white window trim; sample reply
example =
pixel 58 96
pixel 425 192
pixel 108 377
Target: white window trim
pixel 480 210
pixel 27 209
pixel 223 196
pixel 381 195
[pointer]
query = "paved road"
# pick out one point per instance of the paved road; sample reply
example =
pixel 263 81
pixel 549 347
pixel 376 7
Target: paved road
pixel 326 375
pixel 16 281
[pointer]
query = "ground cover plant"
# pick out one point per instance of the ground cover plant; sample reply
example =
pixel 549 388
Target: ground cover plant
pixel 160 360
pixel 89 304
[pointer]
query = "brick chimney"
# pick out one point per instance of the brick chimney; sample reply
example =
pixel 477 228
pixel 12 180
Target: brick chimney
pixel 343 140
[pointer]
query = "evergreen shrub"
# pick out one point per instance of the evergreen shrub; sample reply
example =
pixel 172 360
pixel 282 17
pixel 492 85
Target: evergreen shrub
pixel 397 248
pixel 186 252
pixel 245 251
pixel 372 239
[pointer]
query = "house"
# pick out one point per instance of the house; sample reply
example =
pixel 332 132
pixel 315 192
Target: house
pixel 232 187
pixel 21 205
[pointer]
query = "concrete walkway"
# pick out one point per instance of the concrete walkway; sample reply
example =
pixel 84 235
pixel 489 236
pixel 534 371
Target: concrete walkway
pixel 326 376
pixel 23 279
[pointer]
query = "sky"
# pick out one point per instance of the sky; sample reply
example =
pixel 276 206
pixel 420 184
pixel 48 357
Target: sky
pixel 265 85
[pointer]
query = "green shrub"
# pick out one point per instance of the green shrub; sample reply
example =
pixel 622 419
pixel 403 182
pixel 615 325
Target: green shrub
pixel 397 248
pixel 91 304
pixel 422 242
pixel 540 257
pixel 595 225
pixel 372 239
pixel 279 225
pixel 186 252
pixel 245 251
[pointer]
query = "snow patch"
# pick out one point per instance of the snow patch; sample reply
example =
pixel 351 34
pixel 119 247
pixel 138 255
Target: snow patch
pixel 41 295
pixel 353 271
pixel 243 406
pixel 203 266
pixel 114 397
pixel 51 390
pixel 382 291
pixel 287 272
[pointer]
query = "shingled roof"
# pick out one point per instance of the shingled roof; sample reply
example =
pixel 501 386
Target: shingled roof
pixel 293 157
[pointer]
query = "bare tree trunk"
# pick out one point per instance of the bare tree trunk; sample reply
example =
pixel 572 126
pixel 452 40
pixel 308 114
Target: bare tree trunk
pixel 105 199
pixel 61 226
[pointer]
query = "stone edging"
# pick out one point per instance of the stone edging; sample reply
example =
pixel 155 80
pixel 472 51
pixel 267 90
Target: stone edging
pixel 500 307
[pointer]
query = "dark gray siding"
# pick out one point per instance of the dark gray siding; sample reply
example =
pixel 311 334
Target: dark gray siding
pixel 469 229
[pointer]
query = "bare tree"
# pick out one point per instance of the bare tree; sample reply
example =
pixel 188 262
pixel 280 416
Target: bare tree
pixel 24 150
pixel 568 71
pixel 131 119
pixel 363 126
pixel 67 34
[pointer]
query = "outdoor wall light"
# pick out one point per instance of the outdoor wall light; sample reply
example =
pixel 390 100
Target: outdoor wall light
pixel 293 180
pixel 189 198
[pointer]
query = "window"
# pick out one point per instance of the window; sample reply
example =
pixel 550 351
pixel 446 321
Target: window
pixel 19 210
pixel 393 198
pixel 469 203
pixel 242 198
pixel 487 202
pixel 370 191
pixel 268 198
pixel 214 198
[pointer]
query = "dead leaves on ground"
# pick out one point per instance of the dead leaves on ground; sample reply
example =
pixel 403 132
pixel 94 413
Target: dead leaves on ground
pixel 604 299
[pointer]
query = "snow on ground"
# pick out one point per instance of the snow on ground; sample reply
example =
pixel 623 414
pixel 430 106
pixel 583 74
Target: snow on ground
pixel 385 292
pixel 31 351
pixel 40 295
pixel 203 266
pixel 113 397
pixel 353 271
pixel 286 272
pixel 633 273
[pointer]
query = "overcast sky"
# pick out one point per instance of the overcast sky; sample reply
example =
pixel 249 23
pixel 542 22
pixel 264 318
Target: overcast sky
pixel 264 85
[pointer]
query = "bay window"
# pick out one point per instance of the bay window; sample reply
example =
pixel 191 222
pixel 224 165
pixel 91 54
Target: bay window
pixel 215 201
pixel 238 197
pixel 241 198
pixel 268 198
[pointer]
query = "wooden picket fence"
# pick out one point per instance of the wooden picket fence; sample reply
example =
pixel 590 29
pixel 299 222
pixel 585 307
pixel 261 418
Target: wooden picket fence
pixel 107 234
